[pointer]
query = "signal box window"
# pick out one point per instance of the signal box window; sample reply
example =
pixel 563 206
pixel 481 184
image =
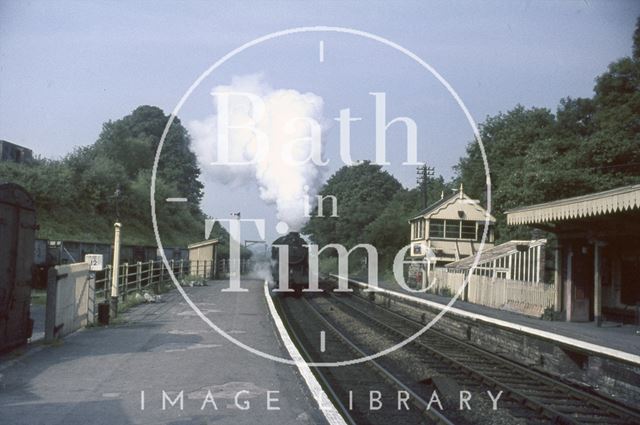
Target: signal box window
pixel 436 229
pixel 452 229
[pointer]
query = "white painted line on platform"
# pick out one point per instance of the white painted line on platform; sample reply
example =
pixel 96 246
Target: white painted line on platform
pixel 322 341
pixel 326 406
pixel 598 349
pixel 177 199
pixel 110 395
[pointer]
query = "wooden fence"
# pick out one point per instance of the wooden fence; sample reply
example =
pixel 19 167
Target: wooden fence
pixel 148 275
pixel 528 298
pixel 225 265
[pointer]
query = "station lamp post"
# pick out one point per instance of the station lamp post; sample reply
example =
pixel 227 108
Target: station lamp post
pixel 115 272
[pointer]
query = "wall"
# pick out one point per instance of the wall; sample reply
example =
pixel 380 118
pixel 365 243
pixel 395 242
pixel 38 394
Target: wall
pixel 609 376
pixel 70 300
pixel 445 283
pixel 521 297
pixel 202 259
pixel 201 253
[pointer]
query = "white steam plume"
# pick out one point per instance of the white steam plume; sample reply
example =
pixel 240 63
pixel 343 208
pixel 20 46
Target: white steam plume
pixel 287 120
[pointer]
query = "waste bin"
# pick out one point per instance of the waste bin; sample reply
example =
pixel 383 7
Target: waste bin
pixel 103 313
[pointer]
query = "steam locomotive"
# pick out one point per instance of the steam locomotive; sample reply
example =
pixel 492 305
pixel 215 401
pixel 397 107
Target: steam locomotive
pixel 298 261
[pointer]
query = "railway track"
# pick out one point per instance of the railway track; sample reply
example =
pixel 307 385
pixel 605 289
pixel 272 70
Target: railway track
pixel 528 395
pixel 350 387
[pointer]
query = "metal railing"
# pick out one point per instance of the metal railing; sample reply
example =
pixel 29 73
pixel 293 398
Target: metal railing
pixel 148 276
pixel 225 265
pixel 151 275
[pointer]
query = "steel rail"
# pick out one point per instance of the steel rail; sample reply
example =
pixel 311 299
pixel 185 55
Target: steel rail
pixel 611 409
pixel 416 399
pixel 307 356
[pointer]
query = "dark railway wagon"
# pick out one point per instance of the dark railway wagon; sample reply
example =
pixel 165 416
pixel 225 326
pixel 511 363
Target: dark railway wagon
pixel 17 237
pixel 298 261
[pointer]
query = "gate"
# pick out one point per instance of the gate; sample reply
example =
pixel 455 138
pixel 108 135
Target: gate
pixel 17 232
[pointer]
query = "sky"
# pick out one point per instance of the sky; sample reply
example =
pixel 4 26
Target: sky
pixel 66 67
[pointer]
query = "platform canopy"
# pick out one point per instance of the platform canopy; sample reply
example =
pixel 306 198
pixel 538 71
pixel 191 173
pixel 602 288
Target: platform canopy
pixel 617 200
pixel 597 252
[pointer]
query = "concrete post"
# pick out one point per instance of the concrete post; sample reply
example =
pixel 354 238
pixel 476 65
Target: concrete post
pixel 107 281
pixel 125 281
pixel 115 270
pixel 215 261
pixel 158 284
pixel 91 307
pixel 139 276
pixel 50 311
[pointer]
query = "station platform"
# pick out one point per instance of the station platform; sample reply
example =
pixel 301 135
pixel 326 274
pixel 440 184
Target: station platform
pixel 97 375
pixel 621 342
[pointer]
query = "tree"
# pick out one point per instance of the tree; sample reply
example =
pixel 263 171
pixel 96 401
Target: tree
pixel 589 145
pixel 133 140
pixel 373 208
pixel 362 192
pixel 390 231
pixel 75 196
pixel 636 41
pixel 507 138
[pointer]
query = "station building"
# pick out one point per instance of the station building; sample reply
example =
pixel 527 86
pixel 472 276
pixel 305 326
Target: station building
pixel 449 230
pixel 597 255
pixel 522 261
pixel 14 153
pixel 203 258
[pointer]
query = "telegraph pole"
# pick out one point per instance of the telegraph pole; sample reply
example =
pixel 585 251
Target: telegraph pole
pixel 423 174
pixel 116 195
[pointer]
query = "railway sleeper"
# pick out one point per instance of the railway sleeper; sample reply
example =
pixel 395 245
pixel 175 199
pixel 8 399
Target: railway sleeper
pixel 478 369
